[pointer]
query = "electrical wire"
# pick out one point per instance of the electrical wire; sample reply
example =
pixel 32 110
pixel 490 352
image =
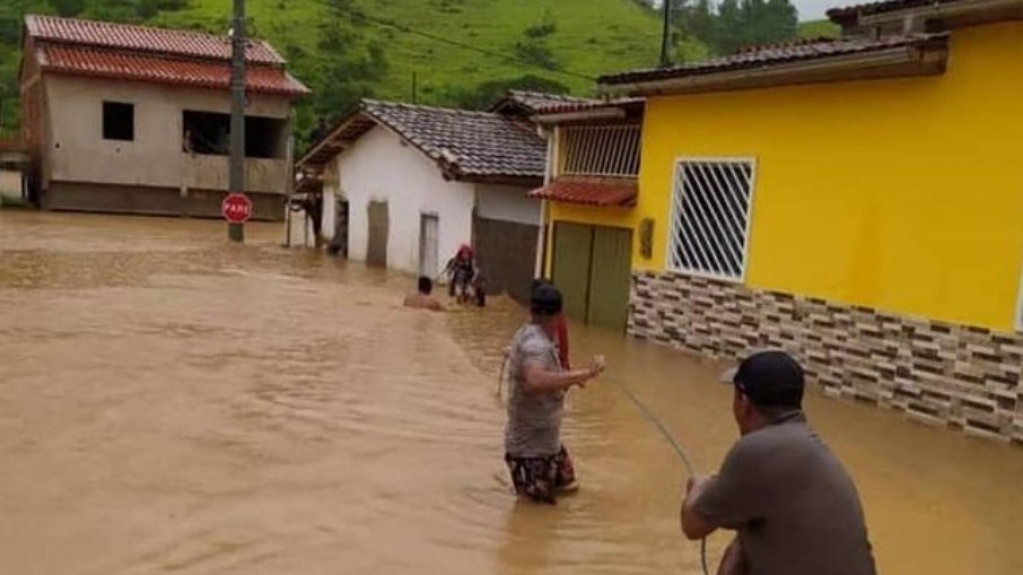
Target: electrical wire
pixel 357 16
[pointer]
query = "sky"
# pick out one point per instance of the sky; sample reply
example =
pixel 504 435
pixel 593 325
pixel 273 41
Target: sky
pixel 811 9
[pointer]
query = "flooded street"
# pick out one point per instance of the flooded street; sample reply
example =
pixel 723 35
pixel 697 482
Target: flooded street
pixel 173 403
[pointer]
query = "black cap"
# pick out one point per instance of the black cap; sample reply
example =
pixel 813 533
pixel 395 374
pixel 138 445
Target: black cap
pixel 545 300
pixel 769 379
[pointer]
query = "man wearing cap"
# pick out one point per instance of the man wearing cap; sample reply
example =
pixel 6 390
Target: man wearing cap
pixel 793 505
pixel 539 464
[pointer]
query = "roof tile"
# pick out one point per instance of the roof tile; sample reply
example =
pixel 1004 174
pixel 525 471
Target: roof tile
pixel 624 103
pixel 760 56
pixel 537 102
pixel 470 143
pixel 141 67
pixel 143 38
pixel 602 192
pixel 845 13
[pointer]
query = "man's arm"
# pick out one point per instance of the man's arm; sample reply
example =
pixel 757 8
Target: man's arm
pixel 733 497
pixel 694 524
pixel 537 379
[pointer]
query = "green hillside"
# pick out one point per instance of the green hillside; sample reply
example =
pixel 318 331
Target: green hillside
pixel 346 49
pixel 819 28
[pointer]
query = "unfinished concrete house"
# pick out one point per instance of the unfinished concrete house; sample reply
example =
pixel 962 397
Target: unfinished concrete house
pixel 132 119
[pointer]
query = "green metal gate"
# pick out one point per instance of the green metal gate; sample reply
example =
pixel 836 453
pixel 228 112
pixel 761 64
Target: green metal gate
pixel 592 268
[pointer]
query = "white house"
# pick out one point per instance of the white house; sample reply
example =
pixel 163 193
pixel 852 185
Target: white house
pixel 413 183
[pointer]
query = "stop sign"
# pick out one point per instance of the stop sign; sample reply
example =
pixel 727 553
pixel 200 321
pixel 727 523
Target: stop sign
pixel 236 208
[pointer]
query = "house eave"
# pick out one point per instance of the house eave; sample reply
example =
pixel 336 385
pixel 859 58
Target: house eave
pixel 583 115
pixel 903 61
pixel 951 15
pixel 494 179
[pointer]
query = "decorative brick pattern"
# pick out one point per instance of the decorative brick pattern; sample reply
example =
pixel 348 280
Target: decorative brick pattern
pixel 940 373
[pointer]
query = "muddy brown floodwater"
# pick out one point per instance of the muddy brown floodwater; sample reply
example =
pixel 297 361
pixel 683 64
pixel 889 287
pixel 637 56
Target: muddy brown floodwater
pixel 172 403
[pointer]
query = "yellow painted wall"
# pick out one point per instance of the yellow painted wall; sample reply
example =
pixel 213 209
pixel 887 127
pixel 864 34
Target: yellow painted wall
pixel 904 195
pixel 613 217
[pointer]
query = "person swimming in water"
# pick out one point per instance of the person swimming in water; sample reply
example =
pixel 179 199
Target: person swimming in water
pixel 423 299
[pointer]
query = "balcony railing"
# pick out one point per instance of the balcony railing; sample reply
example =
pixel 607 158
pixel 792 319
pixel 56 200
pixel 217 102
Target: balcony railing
pixel 600 151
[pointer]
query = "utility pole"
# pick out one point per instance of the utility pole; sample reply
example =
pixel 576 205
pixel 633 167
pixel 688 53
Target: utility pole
pixel 236 181
pixel 666 35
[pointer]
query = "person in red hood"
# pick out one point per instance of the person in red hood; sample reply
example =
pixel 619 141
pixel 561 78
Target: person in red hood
pixel 461 270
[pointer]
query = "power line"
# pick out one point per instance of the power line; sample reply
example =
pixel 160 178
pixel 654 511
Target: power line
pixel 507 57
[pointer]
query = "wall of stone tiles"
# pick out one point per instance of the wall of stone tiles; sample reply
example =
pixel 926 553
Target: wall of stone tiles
pixel 940 373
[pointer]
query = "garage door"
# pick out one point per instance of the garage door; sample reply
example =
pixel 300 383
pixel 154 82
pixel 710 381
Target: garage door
pixel 592 268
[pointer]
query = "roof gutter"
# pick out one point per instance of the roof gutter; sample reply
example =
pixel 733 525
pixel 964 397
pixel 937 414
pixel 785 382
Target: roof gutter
pixel 595 114
pixel 982 9
pixel 851 66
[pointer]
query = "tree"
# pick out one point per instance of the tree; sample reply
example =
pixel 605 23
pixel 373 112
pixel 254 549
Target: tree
pixel 736 23
pixel 347 70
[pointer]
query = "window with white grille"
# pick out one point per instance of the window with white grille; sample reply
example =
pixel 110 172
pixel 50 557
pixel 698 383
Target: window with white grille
pixel 600 151
pixel 710 217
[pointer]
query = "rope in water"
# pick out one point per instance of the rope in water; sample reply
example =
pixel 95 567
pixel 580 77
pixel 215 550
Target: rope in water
pixel 653 419
pixel 649 415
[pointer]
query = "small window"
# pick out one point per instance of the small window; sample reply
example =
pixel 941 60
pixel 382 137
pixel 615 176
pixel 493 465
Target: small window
pixel 118 121
pixel 710 217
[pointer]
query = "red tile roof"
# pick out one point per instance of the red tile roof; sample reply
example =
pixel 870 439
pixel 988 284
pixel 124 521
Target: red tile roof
pixel 764 56
pixel 52 29
pixel 606 192
pixel 143 68
pixel 136 53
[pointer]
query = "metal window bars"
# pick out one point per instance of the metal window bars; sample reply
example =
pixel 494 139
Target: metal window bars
pixel 710 217
pixel 600 151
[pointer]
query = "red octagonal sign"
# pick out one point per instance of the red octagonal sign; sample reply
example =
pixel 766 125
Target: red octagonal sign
pixel 236 208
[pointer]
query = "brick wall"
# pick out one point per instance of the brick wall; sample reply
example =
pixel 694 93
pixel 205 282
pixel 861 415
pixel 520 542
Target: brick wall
pixel 941 373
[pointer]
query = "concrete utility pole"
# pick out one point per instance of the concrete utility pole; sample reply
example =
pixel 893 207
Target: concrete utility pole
pixel 236 182
pixel 666 35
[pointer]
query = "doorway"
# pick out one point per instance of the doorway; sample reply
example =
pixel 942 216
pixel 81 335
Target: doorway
pixel 429 238
pixel 379 228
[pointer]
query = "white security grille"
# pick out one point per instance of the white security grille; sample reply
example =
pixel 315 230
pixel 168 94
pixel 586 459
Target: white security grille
pixel 600 151
pixel 710 217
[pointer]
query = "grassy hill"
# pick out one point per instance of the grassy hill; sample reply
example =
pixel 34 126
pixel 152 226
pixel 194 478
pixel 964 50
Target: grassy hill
pixel 819 28
pixel 344 49
pixel 454 52
pixel 587 37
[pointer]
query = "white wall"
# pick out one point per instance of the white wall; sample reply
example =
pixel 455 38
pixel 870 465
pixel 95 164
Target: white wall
pixel 10 183
pixel 76 151
pixel 507 203
pixel 379 167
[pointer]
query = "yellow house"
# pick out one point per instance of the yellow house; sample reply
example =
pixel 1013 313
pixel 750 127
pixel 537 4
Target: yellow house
pixel 857 201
